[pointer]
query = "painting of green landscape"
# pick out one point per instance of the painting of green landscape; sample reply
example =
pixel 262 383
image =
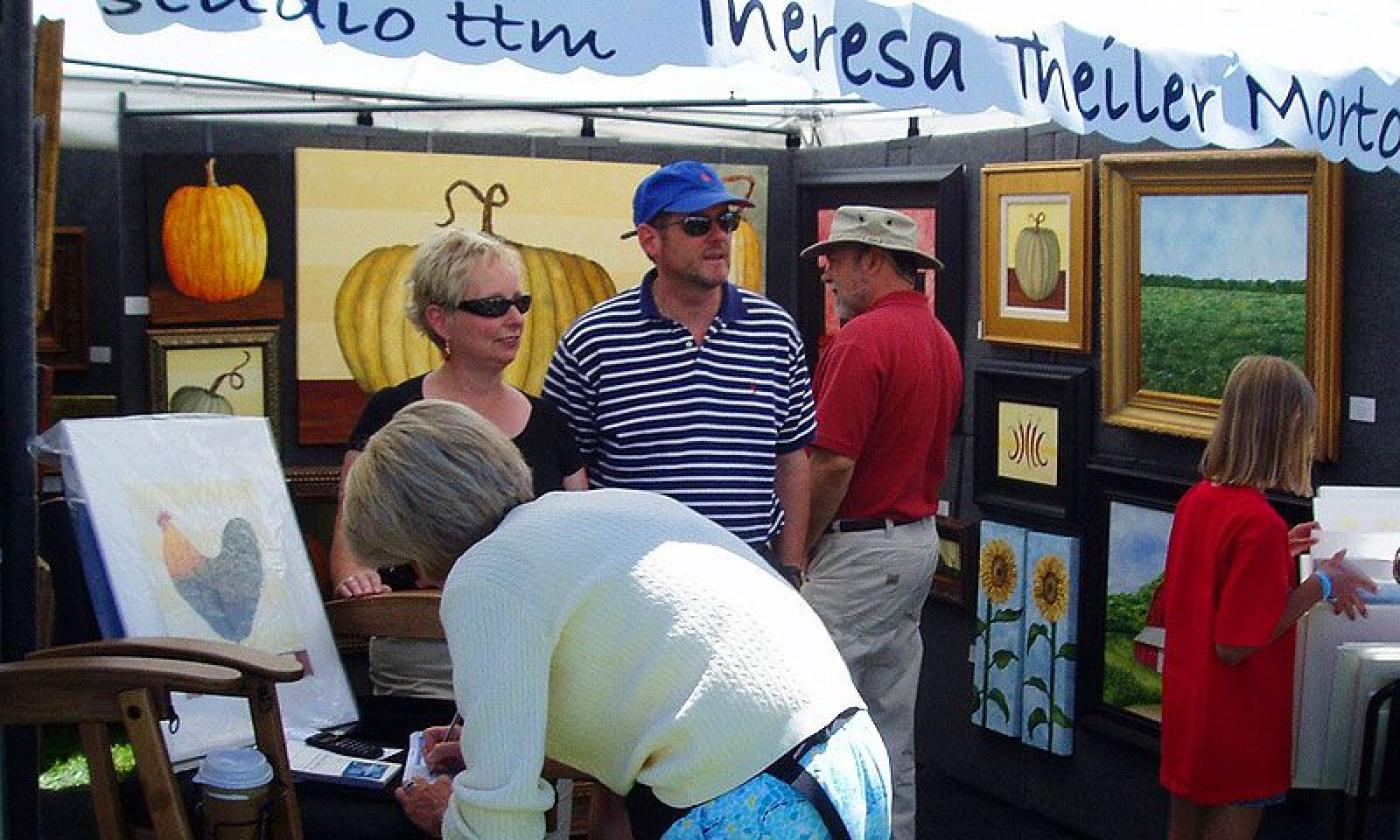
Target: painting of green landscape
pixel 1222 276
pixel 1133 635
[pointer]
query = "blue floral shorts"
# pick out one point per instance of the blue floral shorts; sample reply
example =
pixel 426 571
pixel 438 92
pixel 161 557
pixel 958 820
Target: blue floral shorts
pixel 851 767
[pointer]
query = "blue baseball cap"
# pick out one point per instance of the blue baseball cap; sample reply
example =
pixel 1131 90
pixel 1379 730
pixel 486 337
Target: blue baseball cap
pixel 685 186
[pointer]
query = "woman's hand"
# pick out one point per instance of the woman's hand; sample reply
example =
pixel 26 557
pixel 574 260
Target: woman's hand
pixel 442 749
pixel 425 803
pixel 1348 584
pixel 361 584
pixel 1300 538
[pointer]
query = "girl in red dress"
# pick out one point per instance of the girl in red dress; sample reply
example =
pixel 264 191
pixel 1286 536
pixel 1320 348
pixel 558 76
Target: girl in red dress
pixel 1232 598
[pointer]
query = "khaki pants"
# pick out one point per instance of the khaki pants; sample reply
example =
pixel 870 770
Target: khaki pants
pixel 869 589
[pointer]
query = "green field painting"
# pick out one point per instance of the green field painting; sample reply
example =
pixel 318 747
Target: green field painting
pixel 1194 330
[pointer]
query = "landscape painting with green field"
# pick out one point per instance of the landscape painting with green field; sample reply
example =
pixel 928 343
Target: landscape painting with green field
pixel 1133 635
pixel 1222 276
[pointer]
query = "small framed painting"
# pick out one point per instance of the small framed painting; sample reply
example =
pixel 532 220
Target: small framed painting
pixel 1036 283
pixel 955 578
pixel 229 371
pixel 1030 434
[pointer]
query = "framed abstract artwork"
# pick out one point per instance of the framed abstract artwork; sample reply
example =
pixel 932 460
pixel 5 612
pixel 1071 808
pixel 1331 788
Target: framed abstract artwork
pixel 1030 432
pixel 230 371
pixel 1037 287
pixel 1208 257
pixel 955 578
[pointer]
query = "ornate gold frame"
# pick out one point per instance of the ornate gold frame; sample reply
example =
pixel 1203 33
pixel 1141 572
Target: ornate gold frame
pixel 1047 179
pixel 1124 179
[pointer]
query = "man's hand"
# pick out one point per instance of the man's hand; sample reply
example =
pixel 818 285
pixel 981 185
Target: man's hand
pixel 442 749
pixel 425 803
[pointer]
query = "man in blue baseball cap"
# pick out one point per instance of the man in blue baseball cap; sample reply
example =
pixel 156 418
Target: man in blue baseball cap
pixel 687 385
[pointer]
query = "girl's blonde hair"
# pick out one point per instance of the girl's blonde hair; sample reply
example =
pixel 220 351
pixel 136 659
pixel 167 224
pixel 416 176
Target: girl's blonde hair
pixel 430 484
pixel 1266 434
pixel 445 269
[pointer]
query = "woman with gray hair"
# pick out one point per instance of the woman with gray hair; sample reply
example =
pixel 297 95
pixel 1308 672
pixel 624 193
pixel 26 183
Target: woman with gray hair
pixel 464 295
pixel 616 632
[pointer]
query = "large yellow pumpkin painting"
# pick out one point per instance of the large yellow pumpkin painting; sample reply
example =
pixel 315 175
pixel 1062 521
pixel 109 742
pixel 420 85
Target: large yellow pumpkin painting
pixel 746 251
pixel 215 240
pixel 382 348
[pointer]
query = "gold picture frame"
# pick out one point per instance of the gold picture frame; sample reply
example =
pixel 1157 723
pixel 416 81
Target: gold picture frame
pixel 1038 213
pixel 233 370
pixel 48 107
pixel 1201 203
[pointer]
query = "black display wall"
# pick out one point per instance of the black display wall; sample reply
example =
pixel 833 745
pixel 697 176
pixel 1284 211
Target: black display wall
pixel 1108 788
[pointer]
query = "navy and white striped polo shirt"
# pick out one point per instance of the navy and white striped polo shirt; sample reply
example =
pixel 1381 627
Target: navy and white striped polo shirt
pixel 703 425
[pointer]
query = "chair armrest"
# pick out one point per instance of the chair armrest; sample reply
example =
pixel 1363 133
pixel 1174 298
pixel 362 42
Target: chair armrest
pixel 400 615
pixel 246 660
pixel 83 688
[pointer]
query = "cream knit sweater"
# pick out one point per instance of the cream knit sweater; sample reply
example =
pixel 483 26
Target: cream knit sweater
pixel 624 635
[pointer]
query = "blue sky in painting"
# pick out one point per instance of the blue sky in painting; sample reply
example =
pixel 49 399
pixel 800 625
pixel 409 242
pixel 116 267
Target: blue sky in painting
pixel 1238 237
pixel 1137 545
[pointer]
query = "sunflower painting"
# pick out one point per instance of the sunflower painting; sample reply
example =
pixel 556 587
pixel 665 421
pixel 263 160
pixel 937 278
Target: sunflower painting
pixel 997 659
pixel 1051 622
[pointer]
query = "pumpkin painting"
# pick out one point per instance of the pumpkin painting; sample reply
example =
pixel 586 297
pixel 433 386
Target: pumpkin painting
pixel 382 347
pixel 746 251
pixel 215 240
pixel 192 399
pixel 1037 259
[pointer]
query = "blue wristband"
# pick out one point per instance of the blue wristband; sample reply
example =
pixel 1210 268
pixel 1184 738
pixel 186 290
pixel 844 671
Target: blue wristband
pixel 1326 581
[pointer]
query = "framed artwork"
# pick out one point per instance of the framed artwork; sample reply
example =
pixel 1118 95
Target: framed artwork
pixel 1120 629
pixel 215 249
pixel 1030 433
pixel 360 216
pixel 955 578
pixel 1037 287
pixel 229 371
pixel 933 196
pixel 48 100
pixel 1208 257
pixel 61 328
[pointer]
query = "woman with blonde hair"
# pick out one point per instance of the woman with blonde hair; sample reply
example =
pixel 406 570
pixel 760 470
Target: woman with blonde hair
pixel 616 632
pixel 464 295
pixel 1232 596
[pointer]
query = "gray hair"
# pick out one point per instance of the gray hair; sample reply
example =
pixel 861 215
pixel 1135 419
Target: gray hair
pixel 445 269
pixel 433 482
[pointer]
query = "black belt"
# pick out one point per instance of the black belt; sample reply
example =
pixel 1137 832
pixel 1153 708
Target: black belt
pixel 651 818
pixel 848 526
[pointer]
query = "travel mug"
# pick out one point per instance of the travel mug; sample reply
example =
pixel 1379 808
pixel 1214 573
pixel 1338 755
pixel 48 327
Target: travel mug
pixel 235 791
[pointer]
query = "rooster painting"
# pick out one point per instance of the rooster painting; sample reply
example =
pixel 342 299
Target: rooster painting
pixel 225 588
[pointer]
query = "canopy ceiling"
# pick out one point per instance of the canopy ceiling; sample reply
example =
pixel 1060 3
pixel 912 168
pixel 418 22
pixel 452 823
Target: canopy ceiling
pixel 1319 75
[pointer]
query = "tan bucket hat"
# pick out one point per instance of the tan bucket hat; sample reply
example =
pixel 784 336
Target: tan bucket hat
pixel 889 229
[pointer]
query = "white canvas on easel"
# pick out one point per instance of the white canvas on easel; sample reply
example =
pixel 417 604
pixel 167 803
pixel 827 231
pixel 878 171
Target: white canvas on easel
pixel 1366 522
pixel 196 534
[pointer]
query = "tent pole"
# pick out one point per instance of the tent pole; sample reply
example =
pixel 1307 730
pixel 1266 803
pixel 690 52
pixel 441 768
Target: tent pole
pixel 18 529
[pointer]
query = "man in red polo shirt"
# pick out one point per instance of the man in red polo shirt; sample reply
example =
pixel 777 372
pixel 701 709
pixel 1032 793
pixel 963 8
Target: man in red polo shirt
pixel 888 391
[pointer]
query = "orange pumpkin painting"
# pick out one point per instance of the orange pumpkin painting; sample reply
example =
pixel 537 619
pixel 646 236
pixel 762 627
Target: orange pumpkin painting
pixel 215 240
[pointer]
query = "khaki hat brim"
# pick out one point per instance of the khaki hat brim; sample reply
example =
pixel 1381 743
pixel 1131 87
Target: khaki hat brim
pixel 924 260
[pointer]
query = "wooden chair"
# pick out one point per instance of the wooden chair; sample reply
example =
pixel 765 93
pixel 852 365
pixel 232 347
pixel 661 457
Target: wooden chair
pixel 414 615
pixel 130 681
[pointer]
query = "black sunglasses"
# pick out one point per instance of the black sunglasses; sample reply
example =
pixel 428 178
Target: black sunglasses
pixel 495 306
pixel 697 226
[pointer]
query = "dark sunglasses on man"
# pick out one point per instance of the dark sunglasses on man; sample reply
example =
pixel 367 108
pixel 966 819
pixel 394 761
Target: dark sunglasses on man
pixel 495 306
pixel 698 226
